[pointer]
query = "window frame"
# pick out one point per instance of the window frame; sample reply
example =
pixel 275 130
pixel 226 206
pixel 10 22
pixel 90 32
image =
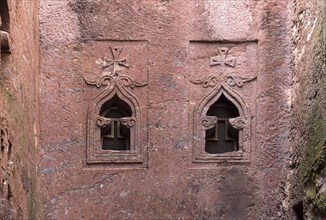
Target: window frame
pixel 95 153
pixel 202 122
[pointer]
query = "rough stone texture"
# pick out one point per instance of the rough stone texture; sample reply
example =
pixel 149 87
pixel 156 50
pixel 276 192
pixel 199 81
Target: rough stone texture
pixel 172 185
pixel 19 73
pixel 307 178
pixel 273 106
pixel 181 56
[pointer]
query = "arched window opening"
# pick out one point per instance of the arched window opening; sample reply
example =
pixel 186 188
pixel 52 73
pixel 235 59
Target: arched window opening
pixel 222 137
pixel 115 136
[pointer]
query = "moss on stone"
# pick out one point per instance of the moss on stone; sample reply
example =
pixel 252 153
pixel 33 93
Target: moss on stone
pixel 314 120
pixel 8 97
pixel 320 202
pixel 315 128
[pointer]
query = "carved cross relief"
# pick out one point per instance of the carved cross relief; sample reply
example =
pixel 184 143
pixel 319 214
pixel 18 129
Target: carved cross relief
pixel 115 76
pixel 115 61
pixel 223 59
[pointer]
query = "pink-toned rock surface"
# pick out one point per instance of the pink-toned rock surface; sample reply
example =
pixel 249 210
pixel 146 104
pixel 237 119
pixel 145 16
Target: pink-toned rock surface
pixel 19 72
pixel 167 46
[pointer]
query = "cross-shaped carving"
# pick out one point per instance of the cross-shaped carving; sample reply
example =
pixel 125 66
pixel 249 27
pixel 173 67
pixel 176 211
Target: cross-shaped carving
pixel 116 61
pixel 223 59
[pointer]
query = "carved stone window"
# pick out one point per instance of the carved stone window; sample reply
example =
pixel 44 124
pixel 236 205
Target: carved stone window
pixel 222 137
pixel 222 96
pixel 222 128
pixel 114 129
pixel 115 132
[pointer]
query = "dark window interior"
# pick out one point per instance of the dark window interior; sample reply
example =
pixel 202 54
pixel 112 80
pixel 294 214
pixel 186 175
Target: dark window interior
pixel 223 137
pixel 116 136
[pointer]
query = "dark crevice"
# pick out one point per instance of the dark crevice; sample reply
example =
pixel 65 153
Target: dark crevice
pixel 298 210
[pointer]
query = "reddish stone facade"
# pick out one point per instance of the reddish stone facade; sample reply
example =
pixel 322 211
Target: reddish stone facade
pixel 19 73
pixel 156 109
pixel 169 61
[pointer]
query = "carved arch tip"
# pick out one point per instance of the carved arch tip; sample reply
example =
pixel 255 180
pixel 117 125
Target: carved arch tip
pixel 238 123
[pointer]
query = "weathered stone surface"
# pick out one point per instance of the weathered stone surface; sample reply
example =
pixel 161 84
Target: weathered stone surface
pixel 19 72
pixel 169 61
pixel 307 177
pixel 168 45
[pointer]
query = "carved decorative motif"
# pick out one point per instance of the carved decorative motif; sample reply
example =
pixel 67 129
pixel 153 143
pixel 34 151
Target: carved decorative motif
pixel 238 123
pixel 103 122
pixel 208 81
pixel 233 80
pixel 223 59
pixel 209 122
pixel 128 121
pixel 238 81
pixel 114 77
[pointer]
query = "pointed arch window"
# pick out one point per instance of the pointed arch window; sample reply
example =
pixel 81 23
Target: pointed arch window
pixel 115 135
pixel 222 128
pixel 114 130
pixel 118 104
pixel 222 137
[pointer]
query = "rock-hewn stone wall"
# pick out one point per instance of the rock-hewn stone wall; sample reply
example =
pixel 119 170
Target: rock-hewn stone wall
pixel 174 41
pixel 308 189
pixel 19 73
pixel 170 44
